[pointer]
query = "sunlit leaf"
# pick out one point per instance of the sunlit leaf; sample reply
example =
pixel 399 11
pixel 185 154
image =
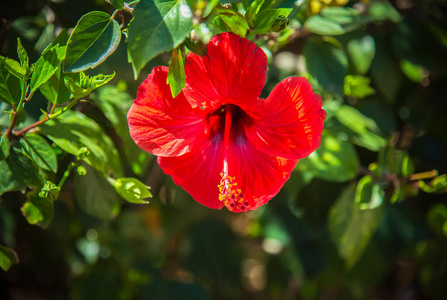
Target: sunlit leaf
pixel 17 171
pixel 253 10
pixel 361 51
pixel 118 4
pixel 49 191
pixel 115 104
pixel 234 21
pixel 321 25
pixel 95 37
pixel 15 68
pixel 368 194
pixel 73 130
pixel 39 151
pixel 438 185
pixel 23 56
pixel 334 21
pixel 132 190
pixel 4 147
pixel 46 66
pixel 383 11
pixel 10 85
pixel 8 257
pixel 413 72
pixel 55 90
pixel 267 20
pixel 157 26
pixel 86 84
pixel 38 210
pixel 327 63
pixel 357 86
pixel 176 74
pixel 364 130
pixel 335 160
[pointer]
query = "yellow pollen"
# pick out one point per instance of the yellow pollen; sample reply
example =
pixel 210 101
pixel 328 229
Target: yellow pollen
pixel 230 194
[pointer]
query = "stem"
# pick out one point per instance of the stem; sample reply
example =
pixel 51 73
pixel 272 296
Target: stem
pixel 423 175
pixel 114 14
pixel 66 174
pixel 13 121
pixel 52 115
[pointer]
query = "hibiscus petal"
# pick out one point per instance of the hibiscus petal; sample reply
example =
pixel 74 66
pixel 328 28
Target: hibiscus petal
pixel 232 71
pixel 160 124
pixel 289 123
pixel 258 175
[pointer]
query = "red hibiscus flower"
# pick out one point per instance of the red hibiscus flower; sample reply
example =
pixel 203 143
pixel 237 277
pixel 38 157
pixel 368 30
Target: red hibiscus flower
pixel 217 139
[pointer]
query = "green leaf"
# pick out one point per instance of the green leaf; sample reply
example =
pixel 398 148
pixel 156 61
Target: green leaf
pixel 86 84
pixel 10 85
pixel 386 73
pixel 8 257
pixel 118 4
pixel 437 219
pixel 407 166
pixel 176 75
pixel 46 66
pixel 17 171
pixel 209 8
pixel 38 150
pixel 438 185
pixel 73 130
pixel 364 130
pixel 383 11
pixel 15 68
pixel 350 227
pixel 267 19
pixel 55 90
pixel 95 37
pixel 92 83
pixel 327 63
pixel 132 190
pixel 324 26
pixel 49 191
pixel 115 104
pixel 335 160
pixel 4 147
pixel 157 26
pixel 234 21
pixel 368 194
pixel 334 21
pixel 358 86
pixel 37 210
pixel 413 72
pixel 361 53
pixel 96 196
pixel 60 40
pixel 253 10
pixel 23 56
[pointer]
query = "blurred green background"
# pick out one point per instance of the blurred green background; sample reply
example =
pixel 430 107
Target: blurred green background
pixel 384 88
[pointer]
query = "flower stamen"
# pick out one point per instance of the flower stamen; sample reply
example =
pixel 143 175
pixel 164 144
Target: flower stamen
pixel 229 193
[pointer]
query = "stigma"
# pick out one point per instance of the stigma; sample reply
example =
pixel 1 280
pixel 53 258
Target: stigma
pixel 229 192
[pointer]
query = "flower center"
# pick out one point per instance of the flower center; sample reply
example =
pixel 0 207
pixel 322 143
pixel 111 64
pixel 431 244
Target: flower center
pixel 229 192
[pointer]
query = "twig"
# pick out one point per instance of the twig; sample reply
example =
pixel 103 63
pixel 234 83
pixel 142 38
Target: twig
pixel 50 116
pixel 13 121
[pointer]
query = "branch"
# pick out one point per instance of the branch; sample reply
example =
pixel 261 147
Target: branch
pixel 13 122
pixel 50 116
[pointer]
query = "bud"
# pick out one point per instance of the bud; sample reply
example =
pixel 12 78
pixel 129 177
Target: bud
pixel 81 170
pixel 280 23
